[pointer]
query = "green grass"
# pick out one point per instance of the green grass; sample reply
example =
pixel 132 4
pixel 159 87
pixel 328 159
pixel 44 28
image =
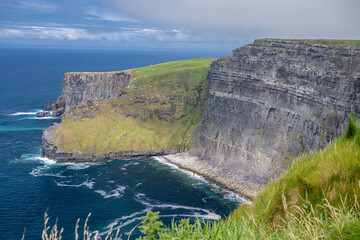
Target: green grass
pixel 328 42
pixel 332 173
pixel 170 67
pixel 315 199
pixel 159 113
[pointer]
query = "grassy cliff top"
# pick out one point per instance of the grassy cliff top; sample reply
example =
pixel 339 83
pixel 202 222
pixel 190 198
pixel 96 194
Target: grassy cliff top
pixel 327 42
pixel 157 114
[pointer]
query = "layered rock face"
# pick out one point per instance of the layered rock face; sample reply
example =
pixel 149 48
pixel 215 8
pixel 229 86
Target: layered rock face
pixel 273 100
pixel 82 86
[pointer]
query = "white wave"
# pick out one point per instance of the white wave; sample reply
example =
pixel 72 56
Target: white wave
pixel 116 193
pixel 44 171
pixel 131 216
pixel 209 216
pixel 187 172
pixel 229 194
pixel 38 118
pixel 78 166
pixel 37 157
pixel 24 113
pixel 87 183
pixel 47 161
pixel 131 163
pixel 235 197
pixel 139 197
pixel 195 212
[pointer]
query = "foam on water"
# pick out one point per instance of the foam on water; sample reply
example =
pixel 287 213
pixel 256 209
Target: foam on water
pixel 45 170
pixel 116 193
pixel 37 118
pixel 24 113
pixel 139 197
pixel 79 166
pixel 131 217
pixel 228 194
pixel 187 172
pixel 88 183
pixel 37 157
pixel 151 205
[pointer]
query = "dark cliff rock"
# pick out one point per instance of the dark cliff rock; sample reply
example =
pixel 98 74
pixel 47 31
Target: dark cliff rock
pixel 273 100
pixel 79 87
pixel 48 106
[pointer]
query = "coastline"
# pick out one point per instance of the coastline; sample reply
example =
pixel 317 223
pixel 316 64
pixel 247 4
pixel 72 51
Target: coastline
pixel 228 178
pixel 224 176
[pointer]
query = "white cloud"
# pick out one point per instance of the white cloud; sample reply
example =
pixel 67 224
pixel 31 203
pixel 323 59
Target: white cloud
pixel 105 14
pixel 250 18
pixel 40 6
pixel 73 34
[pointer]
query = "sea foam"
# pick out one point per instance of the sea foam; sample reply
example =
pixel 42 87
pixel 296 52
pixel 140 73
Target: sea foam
pixel 116 193
pixel 24 113
pixel 87 183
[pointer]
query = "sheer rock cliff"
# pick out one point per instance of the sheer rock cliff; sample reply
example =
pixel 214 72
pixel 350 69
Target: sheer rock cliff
pixel 272 101
pixel 268 103
pixel 79 87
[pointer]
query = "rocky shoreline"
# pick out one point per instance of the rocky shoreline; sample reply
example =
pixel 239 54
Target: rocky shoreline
pixel 221 174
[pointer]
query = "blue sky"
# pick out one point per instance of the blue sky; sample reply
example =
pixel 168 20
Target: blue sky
pixel 172 24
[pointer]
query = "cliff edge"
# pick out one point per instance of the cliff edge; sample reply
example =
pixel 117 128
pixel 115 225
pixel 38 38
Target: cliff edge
pixel 244 122
pixel 135 113
pixel 274 100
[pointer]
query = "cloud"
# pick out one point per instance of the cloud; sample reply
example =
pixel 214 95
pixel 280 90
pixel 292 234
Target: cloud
pixel 250 18
pixel 28 5
pixel 73 34
pixel 40 6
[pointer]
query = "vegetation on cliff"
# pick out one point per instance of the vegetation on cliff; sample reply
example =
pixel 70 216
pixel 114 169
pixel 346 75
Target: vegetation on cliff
pixel 317 198
pixel 328 42
pixel 159 113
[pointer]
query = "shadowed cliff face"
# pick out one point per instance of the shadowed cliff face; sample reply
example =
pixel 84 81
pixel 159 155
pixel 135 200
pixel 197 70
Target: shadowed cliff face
pixel 273 100
pixel 80 87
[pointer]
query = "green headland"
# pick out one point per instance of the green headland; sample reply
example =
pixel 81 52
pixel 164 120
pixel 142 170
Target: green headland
pixel 159 113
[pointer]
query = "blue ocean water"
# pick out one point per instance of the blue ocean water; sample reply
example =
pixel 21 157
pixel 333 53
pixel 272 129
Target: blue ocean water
pixel 116 193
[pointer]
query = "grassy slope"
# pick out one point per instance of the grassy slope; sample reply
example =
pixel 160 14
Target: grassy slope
pixel 315 199
pixel 158 114
pixel 328 42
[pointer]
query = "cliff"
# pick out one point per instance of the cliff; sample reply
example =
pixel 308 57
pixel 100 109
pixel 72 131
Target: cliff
pixel 82 86
pixel 272 101
pixel 130 114
pixel 268 103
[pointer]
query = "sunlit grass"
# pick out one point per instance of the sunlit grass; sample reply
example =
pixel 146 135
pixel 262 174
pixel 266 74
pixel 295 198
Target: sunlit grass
pixel 158 114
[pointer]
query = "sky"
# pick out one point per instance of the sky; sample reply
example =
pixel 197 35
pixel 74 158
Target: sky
pixel 172 24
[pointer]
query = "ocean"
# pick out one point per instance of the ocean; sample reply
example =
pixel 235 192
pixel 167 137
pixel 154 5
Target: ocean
pixel 117 194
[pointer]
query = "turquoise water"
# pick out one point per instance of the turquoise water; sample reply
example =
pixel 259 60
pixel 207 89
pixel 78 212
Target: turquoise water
pixel 116 193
